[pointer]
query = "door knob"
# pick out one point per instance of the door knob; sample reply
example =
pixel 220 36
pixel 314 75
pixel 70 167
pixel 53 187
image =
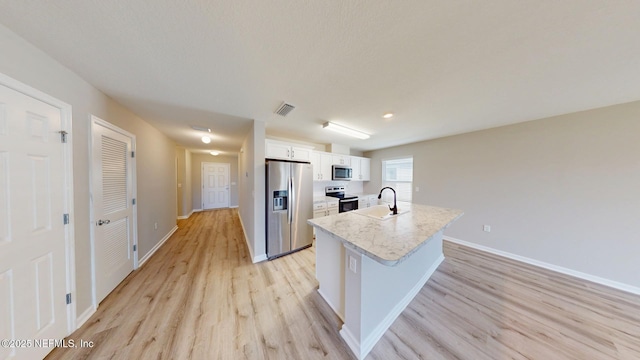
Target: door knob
pixel 103 222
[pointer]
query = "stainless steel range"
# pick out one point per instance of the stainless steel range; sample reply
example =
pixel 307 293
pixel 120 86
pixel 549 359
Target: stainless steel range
pixel 346 202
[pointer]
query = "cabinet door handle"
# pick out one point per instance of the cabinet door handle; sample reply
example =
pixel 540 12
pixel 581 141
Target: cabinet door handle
pixel 293 153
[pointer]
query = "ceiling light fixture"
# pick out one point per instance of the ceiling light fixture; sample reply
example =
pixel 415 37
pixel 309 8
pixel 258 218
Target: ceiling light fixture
pixel 206 139
pixel 214 153
pixel 345 130
pixel 387 115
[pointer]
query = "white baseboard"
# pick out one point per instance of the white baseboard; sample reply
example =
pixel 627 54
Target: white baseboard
pixel 386 323
pixel 352 342
pixel 335 308
pixel 84 317
pixel 233 207
pixel 259 258
pixel 558 269
pixel 155 248
pixel 185 217
pixel 196 210
pixel 254 259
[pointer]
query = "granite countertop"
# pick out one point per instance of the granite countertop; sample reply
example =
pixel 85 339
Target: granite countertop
pixel 364 194
pixel 324 198
pixel 390 241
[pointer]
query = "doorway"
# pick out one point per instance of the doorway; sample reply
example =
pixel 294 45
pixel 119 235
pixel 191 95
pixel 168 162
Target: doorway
pixel 37 279
pixel 113 189
pixel 215 185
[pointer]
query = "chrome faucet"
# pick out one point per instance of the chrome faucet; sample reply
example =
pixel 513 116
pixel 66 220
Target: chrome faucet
pixel 394 209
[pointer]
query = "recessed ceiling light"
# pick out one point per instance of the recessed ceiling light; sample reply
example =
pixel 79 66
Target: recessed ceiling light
pixel 387 115
pixel 345 130
pixel 206 139
pixel 214 153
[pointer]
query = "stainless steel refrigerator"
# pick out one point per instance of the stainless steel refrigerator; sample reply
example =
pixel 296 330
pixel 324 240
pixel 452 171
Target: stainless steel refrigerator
pixel 289 205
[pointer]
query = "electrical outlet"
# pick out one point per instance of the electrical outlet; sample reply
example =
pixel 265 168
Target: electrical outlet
pixel 486 228
pixel 353 265
pixel 417 188
pixel 155 226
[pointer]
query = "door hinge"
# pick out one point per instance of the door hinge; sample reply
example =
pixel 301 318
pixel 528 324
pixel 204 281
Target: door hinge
pixel 135 247
pixel 65 218
pixel 133 201
pixel 133 154
pixel 63 136
pixel 68 298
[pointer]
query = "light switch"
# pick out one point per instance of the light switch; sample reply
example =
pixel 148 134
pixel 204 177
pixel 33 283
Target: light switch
pixel 353 265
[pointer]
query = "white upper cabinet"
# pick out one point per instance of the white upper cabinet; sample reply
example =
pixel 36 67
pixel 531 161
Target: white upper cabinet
pixel 339 159
pixel 321 162
pixel 361 168
pixel 285 151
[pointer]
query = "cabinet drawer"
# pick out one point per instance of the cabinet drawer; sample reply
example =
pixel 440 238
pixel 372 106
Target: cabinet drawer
pixel 319 206
pixel 332 205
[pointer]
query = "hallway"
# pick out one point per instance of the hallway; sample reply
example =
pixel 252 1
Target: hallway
pixel 200 297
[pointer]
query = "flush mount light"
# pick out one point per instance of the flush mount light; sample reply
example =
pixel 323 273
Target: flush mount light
pixel 206 139
pixel 345 130
pixel 387 115
pixel 214 153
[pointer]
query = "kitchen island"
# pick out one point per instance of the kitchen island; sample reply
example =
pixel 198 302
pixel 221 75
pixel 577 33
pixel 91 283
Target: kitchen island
pixel 369 269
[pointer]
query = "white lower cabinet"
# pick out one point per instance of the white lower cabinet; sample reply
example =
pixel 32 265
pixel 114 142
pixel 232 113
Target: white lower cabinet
pixel 367 201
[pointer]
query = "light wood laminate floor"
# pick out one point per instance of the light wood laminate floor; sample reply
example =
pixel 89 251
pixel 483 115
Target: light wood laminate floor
pixel 200 297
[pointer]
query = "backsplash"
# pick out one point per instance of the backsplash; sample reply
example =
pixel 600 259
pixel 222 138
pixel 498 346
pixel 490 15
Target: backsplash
pixel 353 187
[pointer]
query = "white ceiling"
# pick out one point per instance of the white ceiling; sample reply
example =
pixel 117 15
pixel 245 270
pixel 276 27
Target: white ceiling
pixel 443 67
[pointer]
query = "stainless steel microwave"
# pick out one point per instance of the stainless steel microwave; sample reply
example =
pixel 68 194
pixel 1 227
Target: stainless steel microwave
pixel 341 172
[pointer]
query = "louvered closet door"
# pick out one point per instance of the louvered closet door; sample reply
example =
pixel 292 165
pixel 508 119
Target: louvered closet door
pixel 113 209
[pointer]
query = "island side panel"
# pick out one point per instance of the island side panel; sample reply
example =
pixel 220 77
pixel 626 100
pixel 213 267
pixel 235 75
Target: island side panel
pixel 330 265
pixel 377 294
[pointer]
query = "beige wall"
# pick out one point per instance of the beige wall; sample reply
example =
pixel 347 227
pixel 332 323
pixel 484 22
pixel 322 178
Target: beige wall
pixel 251 194
pixel 184 189
pixel 196 177
pixel 155 152
pixel 563 190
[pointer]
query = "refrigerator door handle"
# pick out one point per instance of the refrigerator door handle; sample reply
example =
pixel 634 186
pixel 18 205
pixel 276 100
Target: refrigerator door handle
pixel 291 200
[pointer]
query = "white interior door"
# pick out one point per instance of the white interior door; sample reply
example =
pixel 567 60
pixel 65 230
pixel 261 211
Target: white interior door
pixel 113 209
pixel 32 231
pixel 215 185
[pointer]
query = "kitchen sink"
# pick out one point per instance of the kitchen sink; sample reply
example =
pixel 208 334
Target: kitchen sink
pixel 379 212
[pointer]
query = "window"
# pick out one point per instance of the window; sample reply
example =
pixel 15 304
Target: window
pixel 398 174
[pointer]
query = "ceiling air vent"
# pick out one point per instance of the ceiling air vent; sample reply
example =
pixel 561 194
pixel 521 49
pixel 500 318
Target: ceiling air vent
pixel 200 128
pixel 284 109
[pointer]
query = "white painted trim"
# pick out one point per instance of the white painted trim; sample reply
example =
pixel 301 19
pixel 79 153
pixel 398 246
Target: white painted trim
pixel 555 268
pixel 259 258
pixel 186 216
pixel 254 259
pixel 148 255
pixel 352 342
pixel 382 327
pixel 66 113
pixel 233 207
pixel 196 210
pixel 84 317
